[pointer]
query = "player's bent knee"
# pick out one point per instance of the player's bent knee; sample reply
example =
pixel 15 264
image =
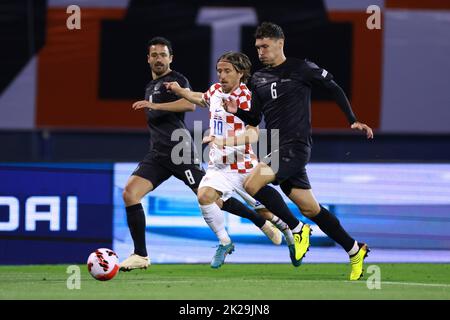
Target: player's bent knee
pixel 250 187
pixel 130 197
pixel 206 197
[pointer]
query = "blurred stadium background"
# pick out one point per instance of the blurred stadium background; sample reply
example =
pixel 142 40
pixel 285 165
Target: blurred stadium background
pixel 69 138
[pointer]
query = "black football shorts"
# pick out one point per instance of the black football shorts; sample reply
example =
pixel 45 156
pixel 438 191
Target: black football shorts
pixel 157 169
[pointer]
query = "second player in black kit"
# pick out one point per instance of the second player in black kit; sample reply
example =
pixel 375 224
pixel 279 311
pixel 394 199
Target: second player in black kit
pixel 157 165
pixel 282 93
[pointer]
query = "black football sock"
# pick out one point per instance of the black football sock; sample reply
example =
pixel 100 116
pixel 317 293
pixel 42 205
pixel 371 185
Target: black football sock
pixel 237 208
pixel 329 224
pixel 136 224
pixel 274 202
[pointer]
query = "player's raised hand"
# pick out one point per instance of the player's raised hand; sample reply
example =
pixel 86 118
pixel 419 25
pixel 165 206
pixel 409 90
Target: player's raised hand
pixel 363 127
pixel 141 104
pixel 173 86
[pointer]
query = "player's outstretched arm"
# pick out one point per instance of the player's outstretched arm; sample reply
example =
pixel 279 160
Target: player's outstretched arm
pixel 191 96
pixel 180 105
pixel 250 135
pixel 341 99
pixel 322 77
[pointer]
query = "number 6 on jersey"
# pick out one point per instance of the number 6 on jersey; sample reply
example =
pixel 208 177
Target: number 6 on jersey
pixel 273 90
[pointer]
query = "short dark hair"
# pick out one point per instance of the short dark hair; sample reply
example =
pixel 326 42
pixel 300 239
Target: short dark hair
pixel 240 62
pixel 269 30
pixel 162 41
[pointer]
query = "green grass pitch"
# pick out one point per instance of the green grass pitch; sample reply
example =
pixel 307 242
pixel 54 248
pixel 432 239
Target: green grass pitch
pixel 232 281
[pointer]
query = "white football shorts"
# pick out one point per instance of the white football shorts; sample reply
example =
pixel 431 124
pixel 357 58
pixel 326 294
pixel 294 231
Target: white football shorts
pixel 226 182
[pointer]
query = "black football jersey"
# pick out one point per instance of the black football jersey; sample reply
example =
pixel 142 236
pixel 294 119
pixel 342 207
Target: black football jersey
pixel 283 95
pixel 162 123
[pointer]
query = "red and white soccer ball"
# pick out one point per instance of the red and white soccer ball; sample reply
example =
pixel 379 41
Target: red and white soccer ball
pixel 103 264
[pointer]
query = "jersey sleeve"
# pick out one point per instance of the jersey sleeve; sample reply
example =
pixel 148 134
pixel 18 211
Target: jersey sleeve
pixel 316 75
pixel 184 83
pixel 243 97
pixel 313 73
pixel 253 114
pixel 208 94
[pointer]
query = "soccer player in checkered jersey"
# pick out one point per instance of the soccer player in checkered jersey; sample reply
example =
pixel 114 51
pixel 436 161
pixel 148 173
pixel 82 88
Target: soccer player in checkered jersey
pixel 282 92
pixel 157 166
pixel 231 154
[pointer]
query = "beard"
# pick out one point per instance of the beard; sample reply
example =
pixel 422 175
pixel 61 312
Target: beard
pixel 159 69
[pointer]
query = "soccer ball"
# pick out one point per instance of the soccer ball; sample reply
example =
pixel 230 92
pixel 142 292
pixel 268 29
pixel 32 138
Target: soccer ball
pixel 103 264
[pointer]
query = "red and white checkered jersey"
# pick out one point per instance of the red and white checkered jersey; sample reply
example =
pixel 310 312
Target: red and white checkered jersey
pixel 223 124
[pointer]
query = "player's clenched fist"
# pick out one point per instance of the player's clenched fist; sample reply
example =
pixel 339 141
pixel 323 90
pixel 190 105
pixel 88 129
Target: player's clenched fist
pixel 363 127
pixel 174 87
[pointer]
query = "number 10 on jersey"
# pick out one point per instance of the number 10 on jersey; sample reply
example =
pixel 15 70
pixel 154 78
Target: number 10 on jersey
pixel 218 127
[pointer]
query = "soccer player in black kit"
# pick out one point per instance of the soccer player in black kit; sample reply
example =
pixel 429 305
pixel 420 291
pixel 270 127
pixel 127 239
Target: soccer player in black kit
pixel 157 166
pixel 282 93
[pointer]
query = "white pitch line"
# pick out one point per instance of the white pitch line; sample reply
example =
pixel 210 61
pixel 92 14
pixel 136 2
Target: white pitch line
pixel 416 284
pixel 279 281
pixel 290 281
